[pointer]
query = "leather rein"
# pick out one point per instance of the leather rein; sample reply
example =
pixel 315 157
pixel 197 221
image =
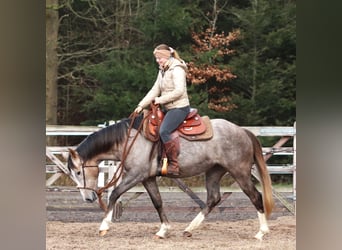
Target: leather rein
pixel 119 171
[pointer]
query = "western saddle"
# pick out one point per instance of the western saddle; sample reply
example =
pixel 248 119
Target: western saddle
pixel 192 125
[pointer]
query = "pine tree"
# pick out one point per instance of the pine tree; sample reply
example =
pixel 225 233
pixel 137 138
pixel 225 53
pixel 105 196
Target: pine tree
pixel 264 89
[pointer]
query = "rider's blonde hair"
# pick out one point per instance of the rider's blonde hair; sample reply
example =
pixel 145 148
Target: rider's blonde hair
pixel 166 51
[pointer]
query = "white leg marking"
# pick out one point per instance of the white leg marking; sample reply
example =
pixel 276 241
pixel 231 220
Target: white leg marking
pixel 263 226
pixel 195 222
pixel 164 228
pixel 105 222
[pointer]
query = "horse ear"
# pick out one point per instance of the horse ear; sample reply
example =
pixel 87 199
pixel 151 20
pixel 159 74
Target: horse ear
pixel 65 155
pixel 75 158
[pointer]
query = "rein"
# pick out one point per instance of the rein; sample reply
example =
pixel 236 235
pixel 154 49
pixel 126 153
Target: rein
pixel 115 178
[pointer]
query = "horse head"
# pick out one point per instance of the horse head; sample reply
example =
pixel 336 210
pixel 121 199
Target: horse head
pixel 85 174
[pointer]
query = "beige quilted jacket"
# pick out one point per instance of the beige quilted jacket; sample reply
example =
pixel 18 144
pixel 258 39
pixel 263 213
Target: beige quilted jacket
pixel 170 87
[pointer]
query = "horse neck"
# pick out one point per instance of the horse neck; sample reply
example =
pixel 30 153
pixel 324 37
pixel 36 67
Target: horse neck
pixel 109 156
pixel 130 153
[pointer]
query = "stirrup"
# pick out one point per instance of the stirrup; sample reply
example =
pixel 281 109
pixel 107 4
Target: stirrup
pixel 164 167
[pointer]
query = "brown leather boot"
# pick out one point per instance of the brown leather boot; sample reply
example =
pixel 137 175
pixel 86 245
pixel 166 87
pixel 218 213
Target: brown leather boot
pixel 172 152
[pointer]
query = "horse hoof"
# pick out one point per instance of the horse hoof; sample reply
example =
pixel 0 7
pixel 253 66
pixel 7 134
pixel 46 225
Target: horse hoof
pixel 103 232
pixel 157 237
pixel 259 236
pixel 187 234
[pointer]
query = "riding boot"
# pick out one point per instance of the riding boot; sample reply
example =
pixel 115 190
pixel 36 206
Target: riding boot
pixel 172 152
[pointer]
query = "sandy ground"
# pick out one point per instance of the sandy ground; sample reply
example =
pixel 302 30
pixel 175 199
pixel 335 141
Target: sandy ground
pixel 73 224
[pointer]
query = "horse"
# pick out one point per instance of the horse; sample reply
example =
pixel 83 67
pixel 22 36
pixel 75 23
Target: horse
pixel 232 149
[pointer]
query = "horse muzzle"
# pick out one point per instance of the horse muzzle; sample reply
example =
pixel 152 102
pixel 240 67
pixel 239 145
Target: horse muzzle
pixel 88 195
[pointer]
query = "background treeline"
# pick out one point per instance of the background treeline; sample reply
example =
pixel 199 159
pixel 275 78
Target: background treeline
pixel 241 55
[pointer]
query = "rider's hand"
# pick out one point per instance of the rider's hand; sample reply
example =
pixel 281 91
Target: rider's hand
pixel 156 100
pixel 138 109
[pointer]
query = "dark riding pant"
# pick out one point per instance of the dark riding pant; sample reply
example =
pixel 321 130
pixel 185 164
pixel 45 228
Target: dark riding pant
pixel 173 118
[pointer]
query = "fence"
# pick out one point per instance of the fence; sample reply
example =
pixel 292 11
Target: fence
pixel 56 165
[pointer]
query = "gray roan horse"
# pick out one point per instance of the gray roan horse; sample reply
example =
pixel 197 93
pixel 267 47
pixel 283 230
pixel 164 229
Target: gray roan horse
pixel 232 149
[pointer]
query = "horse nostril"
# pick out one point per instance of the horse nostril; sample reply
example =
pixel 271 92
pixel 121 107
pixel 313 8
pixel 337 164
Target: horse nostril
pixel 94 196
pixel 92 199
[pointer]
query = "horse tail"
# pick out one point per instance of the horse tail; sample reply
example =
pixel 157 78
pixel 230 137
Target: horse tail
pixel 266 182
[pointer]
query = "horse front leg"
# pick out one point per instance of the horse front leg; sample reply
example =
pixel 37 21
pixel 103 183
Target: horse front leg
pixel 152 189
pixel 104 227
pixel 116 193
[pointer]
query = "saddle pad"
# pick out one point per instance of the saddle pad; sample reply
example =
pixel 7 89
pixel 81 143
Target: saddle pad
pixel 208 134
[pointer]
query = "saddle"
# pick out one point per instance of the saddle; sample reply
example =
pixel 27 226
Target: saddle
pixel 192 127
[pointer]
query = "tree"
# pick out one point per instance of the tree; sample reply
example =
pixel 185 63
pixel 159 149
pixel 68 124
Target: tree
pixel 264 89
pixel 165 21
pixel 105 61
pixel 208 67
pixel 122 79
pixel 89 31
pixel 51 61
pixel 96 87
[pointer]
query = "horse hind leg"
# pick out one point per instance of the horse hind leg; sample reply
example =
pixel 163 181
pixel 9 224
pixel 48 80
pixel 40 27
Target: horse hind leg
pixel 213 177
pixel 256 199
pixel 264 229
pixel 247 186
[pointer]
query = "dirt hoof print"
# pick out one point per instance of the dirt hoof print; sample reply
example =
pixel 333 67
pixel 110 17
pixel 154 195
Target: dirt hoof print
pixel 187 234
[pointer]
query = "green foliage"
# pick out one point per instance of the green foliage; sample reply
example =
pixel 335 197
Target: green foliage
pixel 265 65
pixel 166 21
pixel 106 62
pixel 123 81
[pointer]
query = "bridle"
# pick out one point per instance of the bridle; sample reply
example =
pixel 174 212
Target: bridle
pixel 84 179
pixel 119 171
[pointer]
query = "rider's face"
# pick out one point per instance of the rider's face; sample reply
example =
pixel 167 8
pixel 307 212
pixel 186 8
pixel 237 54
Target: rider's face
pixel 161 61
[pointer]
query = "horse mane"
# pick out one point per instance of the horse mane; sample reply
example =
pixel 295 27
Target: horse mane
pixel 101 141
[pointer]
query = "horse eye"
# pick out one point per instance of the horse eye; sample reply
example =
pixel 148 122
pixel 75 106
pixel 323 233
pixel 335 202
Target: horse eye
pixel 78 172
